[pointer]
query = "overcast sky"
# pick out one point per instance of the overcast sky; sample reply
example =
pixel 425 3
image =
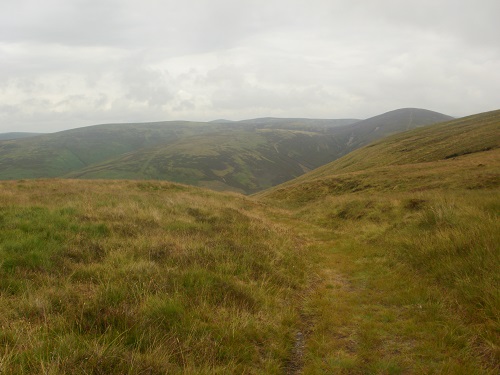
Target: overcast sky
pixel 71 63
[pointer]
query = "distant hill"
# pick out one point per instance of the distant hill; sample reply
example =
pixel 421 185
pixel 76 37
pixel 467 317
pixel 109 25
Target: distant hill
pixel 244 160
pixel 423 158
pixel 56 154
pixel 255 154
pixel 366 131
pixel 17 135
pixel 245 156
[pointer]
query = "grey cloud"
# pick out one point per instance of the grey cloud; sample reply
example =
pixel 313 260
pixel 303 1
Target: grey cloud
pixel 147 85
pixel 73 63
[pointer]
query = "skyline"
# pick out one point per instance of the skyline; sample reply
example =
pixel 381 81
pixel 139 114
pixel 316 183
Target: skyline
pixel 71 64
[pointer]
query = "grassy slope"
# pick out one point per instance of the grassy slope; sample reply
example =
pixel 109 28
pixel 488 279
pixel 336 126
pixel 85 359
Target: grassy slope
pixel 153 277
pixel 366 131
pixel 143 277
pixel 53 155
pixel 242 160
pixel 256 154
pixel 409 279
pixel 435 144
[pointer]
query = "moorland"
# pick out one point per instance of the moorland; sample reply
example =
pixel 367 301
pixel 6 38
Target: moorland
pixel 384 260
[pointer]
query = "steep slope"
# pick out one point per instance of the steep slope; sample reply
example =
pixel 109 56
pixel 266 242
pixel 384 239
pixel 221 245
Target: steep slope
pixel 253 155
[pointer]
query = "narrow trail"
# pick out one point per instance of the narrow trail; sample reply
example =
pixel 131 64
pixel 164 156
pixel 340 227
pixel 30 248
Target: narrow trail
pixel 364 312
pixel 296 362
pixel 321 278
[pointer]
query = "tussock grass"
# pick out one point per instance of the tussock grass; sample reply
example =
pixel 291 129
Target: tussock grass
pixel 143 277
pixel 408 281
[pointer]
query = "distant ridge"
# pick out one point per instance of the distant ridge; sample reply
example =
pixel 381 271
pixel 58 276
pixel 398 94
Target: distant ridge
pixel 221 121
pixel 368 168
pixel 17 135
pixel 244 156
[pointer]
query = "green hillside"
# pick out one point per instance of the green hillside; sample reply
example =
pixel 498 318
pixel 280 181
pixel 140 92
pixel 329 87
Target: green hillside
pixel 240 160
pixel 440 143
pixel 54 155
pixel 409 230
pixel 381 266
pixel 17 135
pixel 366 131
pixel 254 154
pixel 245 156
pixel 58 154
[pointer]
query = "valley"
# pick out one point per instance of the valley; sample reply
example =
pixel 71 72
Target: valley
pixel 246 156
pixel 384 260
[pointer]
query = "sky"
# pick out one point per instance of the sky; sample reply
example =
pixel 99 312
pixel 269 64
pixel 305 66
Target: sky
pixel 72 63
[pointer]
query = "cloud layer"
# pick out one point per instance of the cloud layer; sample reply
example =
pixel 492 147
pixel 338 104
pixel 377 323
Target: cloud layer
pixel 66 64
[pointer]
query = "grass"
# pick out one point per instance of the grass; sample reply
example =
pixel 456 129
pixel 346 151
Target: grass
pixel 132 277
pixel 408 280
pixel 443 141
pixel 391 269
pixel 405 284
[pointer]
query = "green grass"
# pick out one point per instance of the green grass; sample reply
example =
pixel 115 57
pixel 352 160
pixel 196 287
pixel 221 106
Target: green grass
pixel 442 141
pixel 408 284
pixel 132 277
pixel 408 277
pixel 391 269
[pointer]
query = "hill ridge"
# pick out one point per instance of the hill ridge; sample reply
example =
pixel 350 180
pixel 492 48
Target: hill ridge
pixel 245 156
pixel 413 151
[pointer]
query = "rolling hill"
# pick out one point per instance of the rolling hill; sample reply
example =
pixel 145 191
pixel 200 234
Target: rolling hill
pixel 410 232
pixel 244 160
pixel 382 262
pixel 260 154
pixel 245 156
pixel 427 149
pixel 54 155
